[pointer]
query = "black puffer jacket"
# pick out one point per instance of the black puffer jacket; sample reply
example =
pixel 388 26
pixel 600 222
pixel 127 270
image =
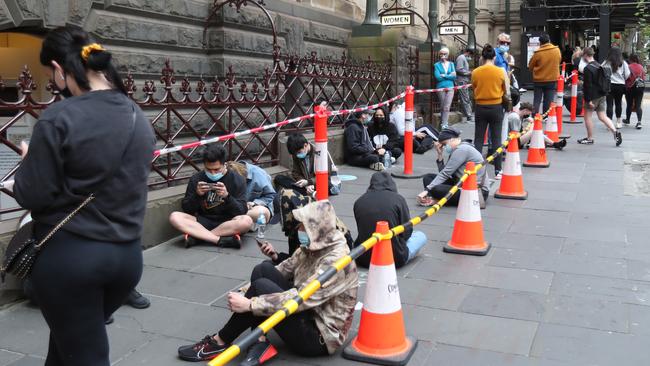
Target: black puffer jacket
pixel 382 203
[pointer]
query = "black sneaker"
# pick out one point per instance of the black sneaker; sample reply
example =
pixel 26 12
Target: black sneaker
pixel 136 300
pixel 560 144
pixel 203 350
pixel 230 242
pixel 189 241
pixel 626 121
pixel 618 138
pixel 259 353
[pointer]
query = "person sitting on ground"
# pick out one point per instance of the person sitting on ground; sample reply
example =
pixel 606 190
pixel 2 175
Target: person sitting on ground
pixel 520 120
pixel 259 190
pixel 321 323
pixel 359 150
pixel 423 137
pixel 214 206
pixel 382 202
pixel 303 173
pixel 384 134
pixel 460 152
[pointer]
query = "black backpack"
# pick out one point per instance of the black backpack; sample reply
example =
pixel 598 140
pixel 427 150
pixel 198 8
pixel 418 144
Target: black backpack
pixel 602 81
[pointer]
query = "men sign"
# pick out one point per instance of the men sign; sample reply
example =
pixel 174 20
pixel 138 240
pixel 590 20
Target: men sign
pixel 452 29
pixel 397 19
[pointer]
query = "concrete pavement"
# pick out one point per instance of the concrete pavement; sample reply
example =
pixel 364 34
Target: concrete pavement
pixel 567 281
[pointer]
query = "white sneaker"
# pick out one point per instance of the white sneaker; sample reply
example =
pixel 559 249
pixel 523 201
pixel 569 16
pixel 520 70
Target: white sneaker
pixel 379 166
pixel 393 160
pixel 619 124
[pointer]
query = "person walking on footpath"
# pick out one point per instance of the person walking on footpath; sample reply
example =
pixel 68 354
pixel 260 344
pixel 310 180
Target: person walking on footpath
pixel 96 142
pixel 445 74
pixel 382 202
pixel 635 87
pixel 595 89
pixel 321 323
pixel 463 77
pixel 620 72
pixel 491 90
pixel 545 67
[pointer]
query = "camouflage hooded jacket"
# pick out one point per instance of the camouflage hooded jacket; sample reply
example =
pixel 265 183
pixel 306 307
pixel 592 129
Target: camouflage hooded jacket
pixel 333 304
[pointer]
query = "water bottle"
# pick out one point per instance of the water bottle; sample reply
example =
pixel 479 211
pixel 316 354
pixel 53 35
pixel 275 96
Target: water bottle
pixel 387 160
pixel 261 226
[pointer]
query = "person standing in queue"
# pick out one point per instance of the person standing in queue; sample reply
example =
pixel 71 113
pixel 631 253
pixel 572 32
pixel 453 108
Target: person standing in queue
pixel 491 90
pixel 94 142
pixel 445 73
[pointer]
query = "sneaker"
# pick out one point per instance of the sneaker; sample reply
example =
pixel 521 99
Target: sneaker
pixel 586 141
pixel 203 350
pixel 498 175
pixel 626 121
pixel 619 124
pixel 428 201
pixel 259 353
pixel 110 320
pixel 618 138
pixel 136 300
pixel 378 166
pixel 638 125
pixel 189 241
pixel 560 144
pixel 393 160
pixel 230 242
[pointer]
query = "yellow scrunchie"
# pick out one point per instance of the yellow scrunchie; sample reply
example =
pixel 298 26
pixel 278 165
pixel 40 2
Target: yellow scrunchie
pixel 86 50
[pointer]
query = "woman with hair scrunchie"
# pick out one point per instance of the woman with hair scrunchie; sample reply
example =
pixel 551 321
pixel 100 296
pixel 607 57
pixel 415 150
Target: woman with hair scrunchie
pixel 95 142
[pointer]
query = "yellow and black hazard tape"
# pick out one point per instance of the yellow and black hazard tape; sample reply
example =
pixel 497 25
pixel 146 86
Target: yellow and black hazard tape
pixel 291 306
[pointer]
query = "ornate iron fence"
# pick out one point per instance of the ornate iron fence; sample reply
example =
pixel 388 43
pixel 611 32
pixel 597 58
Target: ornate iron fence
pixel 198 108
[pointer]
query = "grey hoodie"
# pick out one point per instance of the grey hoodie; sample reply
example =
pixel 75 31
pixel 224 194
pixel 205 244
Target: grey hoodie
pixel 455 167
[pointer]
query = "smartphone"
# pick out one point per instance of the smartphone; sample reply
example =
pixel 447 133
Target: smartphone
pixel 259 242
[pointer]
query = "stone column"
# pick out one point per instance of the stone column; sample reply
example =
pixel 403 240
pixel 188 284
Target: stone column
pixel 371 26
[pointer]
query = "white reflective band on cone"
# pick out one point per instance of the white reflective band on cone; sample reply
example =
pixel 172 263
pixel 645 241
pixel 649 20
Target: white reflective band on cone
pixel 382 292
pixel 469 208
pixel 321 157
pixel 512 166
pixel 537 140
pixel 551 124
pixel 409 123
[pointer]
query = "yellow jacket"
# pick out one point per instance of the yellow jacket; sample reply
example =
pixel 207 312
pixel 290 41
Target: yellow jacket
pixel 545 63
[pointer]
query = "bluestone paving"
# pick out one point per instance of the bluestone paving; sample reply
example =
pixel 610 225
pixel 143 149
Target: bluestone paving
pixel 567 281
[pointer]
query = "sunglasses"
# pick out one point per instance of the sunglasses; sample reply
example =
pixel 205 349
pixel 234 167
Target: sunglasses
pixel 504 42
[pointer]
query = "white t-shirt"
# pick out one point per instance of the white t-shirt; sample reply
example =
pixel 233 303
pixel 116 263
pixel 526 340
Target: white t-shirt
pixel 397 118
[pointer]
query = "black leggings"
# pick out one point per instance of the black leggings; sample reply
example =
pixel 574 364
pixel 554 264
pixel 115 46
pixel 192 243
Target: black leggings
pixel 489 116
pixel 363 160
pixel 634 98
pixel 299 331
pixel 442 189
pixel 615 96
pixel 78 284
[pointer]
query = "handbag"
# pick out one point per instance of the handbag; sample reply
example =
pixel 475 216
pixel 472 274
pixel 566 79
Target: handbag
pixel 23 248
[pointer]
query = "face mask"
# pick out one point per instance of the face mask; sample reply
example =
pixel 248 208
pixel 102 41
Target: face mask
pixel 379 119
pixel 301 155
pixel 447 148
pixel 504 48
pixel 65 92
pixel 214 177
pixel 526 116
pixel 444 57
pixel 303 238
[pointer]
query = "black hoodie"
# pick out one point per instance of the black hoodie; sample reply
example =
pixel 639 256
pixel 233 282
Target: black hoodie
pixel 357 140
pixel 382 203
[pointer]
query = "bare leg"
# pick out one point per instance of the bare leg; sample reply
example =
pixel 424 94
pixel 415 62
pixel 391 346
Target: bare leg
pixel 255 212
pixel 589 124
pixel 188 225
pixel 604 119
pixel 238 225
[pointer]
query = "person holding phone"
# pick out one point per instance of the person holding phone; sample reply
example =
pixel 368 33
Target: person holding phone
pixel 321 324
pixel 214 206
pixel 96 141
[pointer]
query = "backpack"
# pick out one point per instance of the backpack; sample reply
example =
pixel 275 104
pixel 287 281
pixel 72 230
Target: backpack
pixel 603 80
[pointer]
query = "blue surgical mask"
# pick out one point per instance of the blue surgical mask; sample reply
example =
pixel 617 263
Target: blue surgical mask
pixel 504 48
pixel 214 177
pixel 448 149
pixel 303 238
pixel 301 155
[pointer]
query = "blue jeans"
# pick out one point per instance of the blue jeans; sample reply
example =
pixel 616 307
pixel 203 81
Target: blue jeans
pixel 415 244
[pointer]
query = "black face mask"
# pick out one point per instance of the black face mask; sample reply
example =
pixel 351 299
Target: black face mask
pixel 379 119
pixel 525 116
pixel 65 92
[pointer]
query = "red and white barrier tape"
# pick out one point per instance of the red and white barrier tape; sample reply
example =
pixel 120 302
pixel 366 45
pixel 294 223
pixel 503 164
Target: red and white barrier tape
pixel 420 91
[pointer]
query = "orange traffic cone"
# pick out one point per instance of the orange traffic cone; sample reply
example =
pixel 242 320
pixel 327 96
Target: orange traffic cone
pixel 512 182
pixel 467 237
pixel 537 149
pixel 551 125
pixel 382 339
